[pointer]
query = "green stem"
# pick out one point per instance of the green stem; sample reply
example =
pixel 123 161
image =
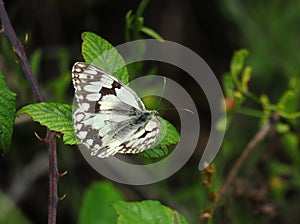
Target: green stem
pixel 289 116
pixel 138 14
pixel 250 112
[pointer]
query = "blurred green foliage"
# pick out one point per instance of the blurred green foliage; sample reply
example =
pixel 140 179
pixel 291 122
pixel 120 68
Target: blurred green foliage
pixel 270 30
pixel 97 204
pixel 278 176
pixel 9 212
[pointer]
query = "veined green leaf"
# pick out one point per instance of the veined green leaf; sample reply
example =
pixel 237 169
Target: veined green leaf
pixel 146 212
pixel 7 114
pixel 171 134
pixel 99 52
pixel 96 207
pixel 55 116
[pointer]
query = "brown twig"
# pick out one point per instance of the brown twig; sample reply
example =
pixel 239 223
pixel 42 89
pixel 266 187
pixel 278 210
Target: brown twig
pixel 50 139
pixel 53 177
pixel 260 136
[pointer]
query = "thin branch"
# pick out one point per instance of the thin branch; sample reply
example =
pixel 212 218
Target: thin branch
pixel 50 139
pixel 259 137
pixel 53 177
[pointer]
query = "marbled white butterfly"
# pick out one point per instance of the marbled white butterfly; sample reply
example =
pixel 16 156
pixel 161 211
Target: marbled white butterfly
pixel 110 117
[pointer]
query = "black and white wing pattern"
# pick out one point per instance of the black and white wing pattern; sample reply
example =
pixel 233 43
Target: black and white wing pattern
pixel 110 117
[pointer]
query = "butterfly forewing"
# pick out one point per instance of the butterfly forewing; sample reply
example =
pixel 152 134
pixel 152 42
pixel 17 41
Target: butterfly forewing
pixel 110 117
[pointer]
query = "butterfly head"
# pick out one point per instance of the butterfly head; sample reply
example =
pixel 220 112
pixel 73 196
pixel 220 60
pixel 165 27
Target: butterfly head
pixel 154 113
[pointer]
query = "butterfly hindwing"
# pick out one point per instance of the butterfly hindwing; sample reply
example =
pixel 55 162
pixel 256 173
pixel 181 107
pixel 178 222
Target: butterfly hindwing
pixel 110 118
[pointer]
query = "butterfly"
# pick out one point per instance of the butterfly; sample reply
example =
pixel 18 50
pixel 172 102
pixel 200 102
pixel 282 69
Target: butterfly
pixel 110 118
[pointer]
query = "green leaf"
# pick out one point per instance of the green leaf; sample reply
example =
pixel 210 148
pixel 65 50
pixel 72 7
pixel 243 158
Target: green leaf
pixel 237 62
pixel 290 142
pixel 228 85
pixel 55 116
pixel 155 152
pixel 288 102
pixel 282 128
pixel 96 207
pixel 146 212
pixel 151 33
pixel 7 114
pixel 9 212
pixel 231 92
pixel 246 76
pixel 101 53
pixel 169 136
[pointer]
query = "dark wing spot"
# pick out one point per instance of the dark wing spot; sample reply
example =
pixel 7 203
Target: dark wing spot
pixel 144 135
pixel 97 107
pixel 116 85
pixel 109 91
pixel 106 91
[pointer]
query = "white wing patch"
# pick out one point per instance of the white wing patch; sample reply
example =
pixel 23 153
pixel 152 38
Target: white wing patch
pixel 110 117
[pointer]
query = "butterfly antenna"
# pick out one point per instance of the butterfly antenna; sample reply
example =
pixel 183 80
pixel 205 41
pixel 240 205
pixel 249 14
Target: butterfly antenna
pixel 187 110
pixel 162 92
pixel 184 109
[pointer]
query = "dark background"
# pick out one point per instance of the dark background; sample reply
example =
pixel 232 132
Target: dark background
pixel 213 29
